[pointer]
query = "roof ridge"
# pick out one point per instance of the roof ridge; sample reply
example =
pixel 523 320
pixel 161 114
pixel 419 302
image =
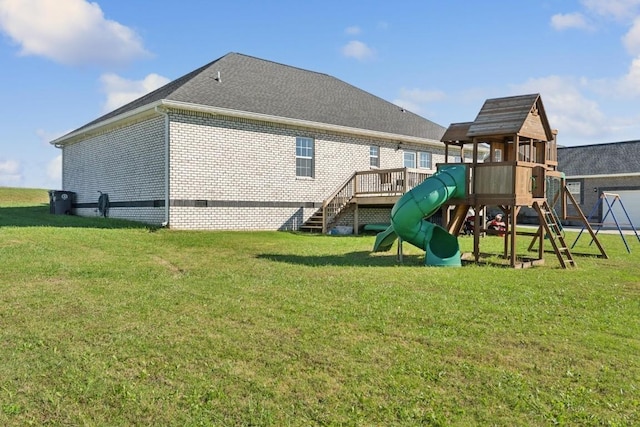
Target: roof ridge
pixel 278 63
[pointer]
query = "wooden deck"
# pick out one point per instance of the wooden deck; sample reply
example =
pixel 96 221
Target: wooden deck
pixel 376 187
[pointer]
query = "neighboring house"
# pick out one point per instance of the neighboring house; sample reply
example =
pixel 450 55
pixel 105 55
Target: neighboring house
pixel 614 168
pixel 241 143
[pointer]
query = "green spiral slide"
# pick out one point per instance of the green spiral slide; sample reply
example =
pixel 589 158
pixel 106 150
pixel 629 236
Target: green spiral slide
pixel 408 217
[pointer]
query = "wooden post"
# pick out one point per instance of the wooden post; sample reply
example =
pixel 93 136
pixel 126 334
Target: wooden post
pixel 514 214
pixel 476 236
pixel 356 178
pixel 324 218
pixel 356 225
pixel 541 242
pixel 507 234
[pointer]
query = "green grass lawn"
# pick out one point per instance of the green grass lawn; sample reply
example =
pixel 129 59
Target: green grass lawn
pixel 107 322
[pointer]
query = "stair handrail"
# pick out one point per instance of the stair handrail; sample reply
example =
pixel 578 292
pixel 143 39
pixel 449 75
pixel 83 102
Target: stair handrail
pixel 337 201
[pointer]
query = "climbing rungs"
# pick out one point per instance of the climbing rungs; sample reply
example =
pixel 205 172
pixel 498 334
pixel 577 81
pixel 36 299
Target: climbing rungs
pixel 553 229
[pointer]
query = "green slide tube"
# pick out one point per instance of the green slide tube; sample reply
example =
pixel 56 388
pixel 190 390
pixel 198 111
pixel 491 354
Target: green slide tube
pixel 409 213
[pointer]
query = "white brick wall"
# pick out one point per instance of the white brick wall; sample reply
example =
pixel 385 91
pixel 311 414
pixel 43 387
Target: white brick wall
pixel 217 160
pixel 225 159
pixel 126 163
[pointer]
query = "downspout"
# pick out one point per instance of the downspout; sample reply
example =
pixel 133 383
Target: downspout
pixel 163 112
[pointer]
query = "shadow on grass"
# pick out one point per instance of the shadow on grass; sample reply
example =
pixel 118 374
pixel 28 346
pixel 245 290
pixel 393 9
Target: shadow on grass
pixel 351 259
pixel 39 216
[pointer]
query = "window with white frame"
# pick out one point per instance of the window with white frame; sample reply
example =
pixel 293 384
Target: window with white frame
pixel 424 160
pixel 575 188
pixel 304 157
pixel 374 156
pixel 409 160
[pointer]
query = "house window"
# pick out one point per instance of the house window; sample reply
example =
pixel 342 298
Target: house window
pixel 304 157
pixel 374 156
pixel 497 155
pixel 409 159
pixel 575 188
pixel 424 160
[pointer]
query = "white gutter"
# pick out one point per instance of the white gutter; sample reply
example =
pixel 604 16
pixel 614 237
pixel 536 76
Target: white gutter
pixel 604 175
pixel 217 111
pixel 59 142
pixel 163 112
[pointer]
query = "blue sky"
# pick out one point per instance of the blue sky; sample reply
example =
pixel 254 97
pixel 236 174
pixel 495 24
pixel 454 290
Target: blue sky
pixel 66 62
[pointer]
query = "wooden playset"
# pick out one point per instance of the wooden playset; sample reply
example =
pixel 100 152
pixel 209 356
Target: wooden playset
pixel 520 171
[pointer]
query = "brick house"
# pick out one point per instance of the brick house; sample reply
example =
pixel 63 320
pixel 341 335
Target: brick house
pixel 591 170
pixel 241 143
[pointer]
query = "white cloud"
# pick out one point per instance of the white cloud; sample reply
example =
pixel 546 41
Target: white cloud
pixel 567 108
pixel 629 85
pixel 121 91
pixel 415 100
pixel 358 50
pixel 54 169
pixel 569 20
pixel 618 9
pixel 421 95
pixel 10 173
pixel 72 32
pixel 631 40
pixel 353 30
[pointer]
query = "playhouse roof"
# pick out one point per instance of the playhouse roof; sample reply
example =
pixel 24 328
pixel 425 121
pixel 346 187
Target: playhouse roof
pixel 521 115
pixel 237 82
pixel 457 133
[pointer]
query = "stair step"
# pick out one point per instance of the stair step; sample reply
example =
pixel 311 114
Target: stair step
pixel 313 220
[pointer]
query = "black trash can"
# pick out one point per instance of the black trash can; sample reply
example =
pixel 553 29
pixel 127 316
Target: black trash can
pixel 60 202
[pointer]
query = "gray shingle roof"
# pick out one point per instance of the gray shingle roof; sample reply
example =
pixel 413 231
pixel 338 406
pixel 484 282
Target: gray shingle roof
pixel 258 86
pixel 600 159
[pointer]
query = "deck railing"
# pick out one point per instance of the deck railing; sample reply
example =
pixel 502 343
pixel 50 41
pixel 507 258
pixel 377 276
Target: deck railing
pixel 379 182
pixel 388 182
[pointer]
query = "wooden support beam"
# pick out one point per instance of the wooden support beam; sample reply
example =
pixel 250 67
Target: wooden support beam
pixel 356 225
pixel 512 231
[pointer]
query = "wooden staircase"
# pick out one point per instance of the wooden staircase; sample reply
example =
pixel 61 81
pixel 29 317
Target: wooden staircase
pixel 371 187
pixel 553 230
pixel 315 223
pixel 320 221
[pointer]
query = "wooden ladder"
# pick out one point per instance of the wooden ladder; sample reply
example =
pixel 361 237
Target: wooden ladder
pixel 554 231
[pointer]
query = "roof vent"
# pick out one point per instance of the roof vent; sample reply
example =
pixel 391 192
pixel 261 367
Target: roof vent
pixel 219 79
